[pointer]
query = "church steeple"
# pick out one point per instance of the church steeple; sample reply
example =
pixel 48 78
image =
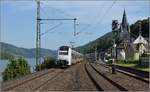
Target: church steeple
pixel 125 29
pixel 124 24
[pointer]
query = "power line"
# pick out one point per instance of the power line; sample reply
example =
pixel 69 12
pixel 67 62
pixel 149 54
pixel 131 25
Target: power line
pixel 101 19
pixel 88 25
pixel 52 28
pixel 58 10
pixel 61 11
pixel 104 15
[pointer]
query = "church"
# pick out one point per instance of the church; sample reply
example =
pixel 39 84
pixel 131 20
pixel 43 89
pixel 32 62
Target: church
pixel 131 47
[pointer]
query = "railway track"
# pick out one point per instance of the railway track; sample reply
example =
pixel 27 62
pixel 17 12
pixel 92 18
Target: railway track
pixel 79 77
pixel 46 82
pixel 33 83
pixel 143 74
pixel 66 81
pixel 125 79
pixel 140 75
pixel 101 81
pixel 16 81
pixel 93 80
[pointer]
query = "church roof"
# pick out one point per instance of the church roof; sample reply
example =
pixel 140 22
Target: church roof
pixel 124 24
pixel 140 39
pixel 124 19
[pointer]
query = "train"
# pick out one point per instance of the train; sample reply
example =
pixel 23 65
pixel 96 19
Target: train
pixel 67 56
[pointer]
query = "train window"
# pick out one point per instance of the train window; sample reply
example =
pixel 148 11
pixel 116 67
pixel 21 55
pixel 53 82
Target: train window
pixel 63 53
pixel 64 48
pixel 73 56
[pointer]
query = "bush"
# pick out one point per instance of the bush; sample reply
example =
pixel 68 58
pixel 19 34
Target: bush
pixel 121 61
pixel 49 62
pixel 128 61
pixel 144 55
pixel 110 61
pixel 16 68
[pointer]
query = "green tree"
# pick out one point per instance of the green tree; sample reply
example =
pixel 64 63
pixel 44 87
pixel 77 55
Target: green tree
pixel 16 68
pixel 144 27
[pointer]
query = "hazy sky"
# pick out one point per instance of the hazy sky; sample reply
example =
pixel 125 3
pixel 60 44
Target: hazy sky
pixel 18 20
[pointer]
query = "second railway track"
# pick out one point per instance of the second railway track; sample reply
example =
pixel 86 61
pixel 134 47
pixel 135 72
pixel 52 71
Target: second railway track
pixel 127 81
pixel 102 82
pixel 126 71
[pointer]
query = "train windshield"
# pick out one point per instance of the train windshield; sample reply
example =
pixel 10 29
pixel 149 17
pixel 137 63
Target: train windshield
pixel 64 48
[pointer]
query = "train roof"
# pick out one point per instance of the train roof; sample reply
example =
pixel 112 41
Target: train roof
pixel 67 48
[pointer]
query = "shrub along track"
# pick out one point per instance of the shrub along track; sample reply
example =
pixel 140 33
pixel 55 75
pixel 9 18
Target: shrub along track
pixel 124 79
pixel 33 81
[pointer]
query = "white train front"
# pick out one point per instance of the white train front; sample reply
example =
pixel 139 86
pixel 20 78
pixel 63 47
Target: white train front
pixel 67 56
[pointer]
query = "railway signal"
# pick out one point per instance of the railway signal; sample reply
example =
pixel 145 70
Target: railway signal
pixel 114 30
pixel 115 25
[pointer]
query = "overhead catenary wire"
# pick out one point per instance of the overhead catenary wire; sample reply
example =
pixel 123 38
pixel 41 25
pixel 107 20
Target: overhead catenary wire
pixel 101 19
pixel 80 31
pixel 51 29
pixel 56 9
pixel 104 15
pixel 61 11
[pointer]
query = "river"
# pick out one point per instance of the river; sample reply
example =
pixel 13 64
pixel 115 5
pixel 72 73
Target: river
pixel 3 65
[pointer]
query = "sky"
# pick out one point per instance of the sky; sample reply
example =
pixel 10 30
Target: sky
pixel 18 20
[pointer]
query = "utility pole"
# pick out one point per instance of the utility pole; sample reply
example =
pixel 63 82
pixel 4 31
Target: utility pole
pixel 75 26
pixel 96 52
pixel 38 38
pixel 38 33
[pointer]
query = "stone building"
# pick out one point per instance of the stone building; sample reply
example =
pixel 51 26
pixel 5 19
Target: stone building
pixel 127 49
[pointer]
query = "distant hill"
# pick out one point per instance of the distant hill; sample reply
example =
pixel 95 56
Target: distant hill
pixel 106 40
pixel 8 50
pixel 102 43
pixel 144 27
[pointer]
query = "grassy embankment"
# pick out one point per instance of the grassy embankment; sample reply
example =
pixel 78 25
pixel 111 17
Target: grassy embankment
pixel 134 64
